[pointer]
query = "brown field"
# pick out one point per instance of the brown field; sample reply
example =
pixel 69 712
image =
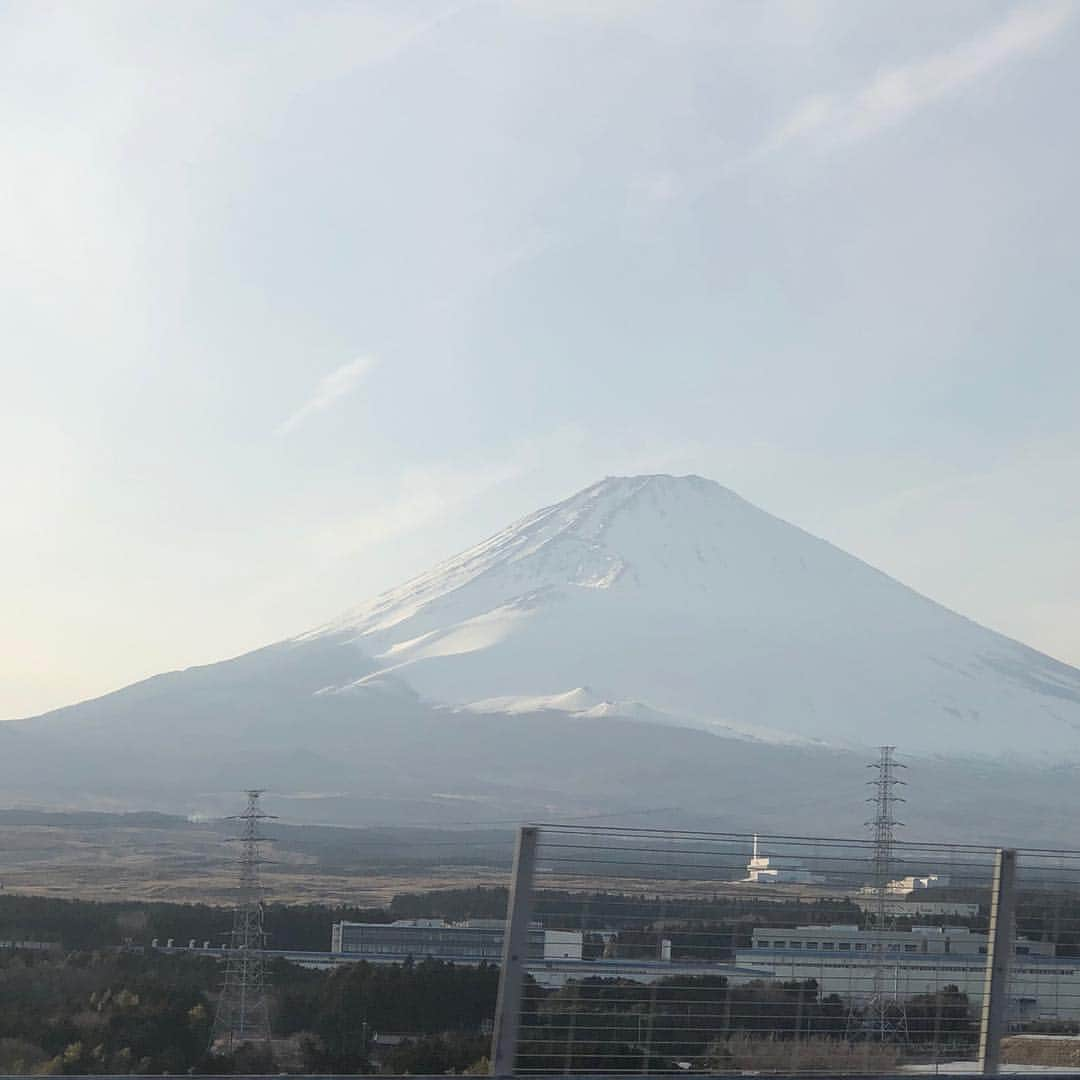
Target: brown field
pixel 153 857
pixel 197 864
pixel 1053 1050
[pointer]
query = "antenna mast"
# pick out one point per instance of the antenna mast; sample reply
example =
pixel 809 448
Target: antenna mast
pixel 243 1013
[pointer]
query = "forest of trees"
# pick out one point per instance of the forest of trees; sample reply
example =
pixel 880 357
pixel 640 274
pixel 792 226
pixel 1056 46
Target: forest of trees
pixel 103 1012
pixel 119 1012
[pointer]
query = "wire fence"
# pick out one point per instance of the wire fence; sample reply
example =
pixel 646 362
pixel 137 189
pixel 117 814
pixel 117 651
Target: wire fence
pixel 1044 980
pixel 650 951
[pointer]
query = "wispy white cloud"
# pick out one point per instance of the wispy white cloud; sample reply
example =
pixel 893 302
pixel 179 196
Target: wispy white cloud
pixel 425 495
pixel 896 93
pixel 433 493
pixel 330 389
pixel 890 97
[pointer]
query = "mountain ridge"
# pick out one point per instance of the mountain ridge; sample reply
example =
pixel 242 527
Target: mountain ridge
pixel 649 633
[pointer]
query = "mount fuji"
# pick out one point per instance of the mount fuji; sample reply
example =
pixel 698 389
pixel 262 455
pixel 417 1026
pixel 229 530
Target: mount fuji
pixel 672 598
pixel 651 637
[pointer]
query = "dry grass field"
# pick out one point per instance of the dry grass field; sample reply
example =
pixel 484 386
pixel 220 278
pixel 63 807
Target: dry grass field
pixel 99 856
pixel 1058 1051
pixel 95 858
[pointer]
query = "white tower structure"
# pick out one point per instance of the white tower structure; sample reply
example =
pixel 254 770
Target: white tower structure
pixel 762 870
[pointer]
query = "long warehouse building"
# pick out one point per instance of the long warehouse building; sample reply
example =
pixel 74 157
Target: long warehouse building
pixel 471 942
pixel 844 960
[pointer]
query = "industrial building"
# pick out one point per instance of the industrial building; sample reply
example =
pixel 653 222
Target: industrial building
pixel 474 941
pixel 843 960
pixel 903 886
pixel 920 940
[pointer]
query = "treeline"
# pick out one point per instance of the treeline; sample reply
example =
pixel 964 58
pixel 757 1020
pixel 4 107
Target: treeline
pixel 480 902
pixel 104 1012
pixel 91 924
pixel 618 911
pixel 86 924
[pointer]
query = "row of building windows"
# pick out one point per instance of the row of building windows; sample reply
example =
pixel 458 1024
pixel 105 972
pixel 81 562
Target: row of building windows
pixel 828 946
pixel 927 965
pixel 420 948
pixel 860 946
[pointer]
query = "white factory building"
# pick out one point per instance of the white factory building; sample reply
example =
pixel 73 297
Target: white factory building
pixel 844 959
pixel 905 886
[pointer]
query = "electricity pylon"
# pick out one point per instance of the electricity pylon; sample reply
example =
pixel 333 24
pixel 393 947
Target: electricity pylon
pixel 883 1016
pixel 243 1012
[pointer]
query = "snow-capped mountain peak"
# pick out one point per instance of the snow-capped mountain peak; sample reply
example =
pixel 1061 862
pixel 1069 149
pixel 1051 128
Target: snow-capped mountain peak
pixel 677 594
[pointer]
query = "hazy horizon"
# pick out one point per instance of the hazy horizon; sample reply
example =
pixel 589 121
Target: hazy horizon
pixel 301 300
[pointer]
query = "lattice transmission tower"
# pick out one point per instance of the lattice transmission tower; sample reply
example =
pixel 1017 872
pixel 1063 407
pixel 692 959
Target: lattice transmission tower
pixel 884 1015
pixel 243 1012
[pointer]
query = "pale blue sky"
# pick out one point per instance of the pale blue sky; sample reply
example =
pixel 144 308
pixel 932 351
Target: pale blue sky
pixel 298 298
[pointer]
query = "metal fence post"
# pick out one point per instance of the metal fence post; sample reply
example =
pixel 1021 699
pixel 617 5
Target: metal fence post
pixel 999 951
pixel 504 1040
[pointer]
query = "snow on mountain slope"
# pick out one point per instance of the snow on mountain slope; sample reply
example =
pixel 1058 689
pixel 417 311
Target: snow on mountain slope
pixel 676 595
